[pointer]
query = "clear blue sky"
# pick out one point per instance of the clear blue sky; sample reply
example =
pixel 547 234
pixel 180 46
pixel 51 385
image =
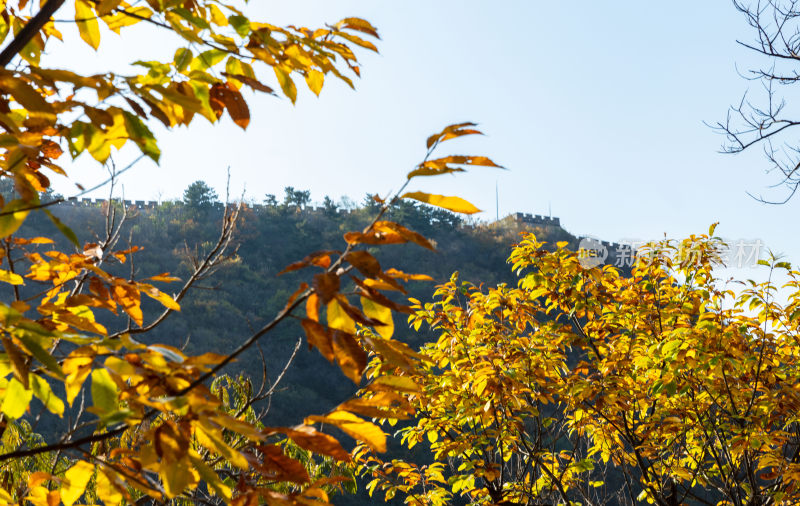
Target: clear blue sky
pixel 596 108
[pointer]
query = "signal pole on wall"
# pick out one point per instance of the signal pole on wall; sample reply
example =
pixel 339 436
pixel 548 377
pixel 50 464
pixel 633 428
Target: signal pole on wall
pixel 496 202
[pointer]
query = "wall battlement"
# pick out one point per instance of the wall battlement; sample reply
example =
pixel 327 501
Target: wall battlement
pixel 150 204
pixel 537 219
pixel 88 202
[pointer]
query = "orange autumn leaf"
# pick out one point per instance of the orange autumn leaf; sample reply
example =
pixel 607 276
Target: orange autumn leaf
pixel 128 297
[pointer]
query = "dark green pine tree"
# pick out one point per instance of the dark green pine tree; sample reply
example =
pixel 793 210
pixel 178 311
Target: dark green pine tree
pixel 199 196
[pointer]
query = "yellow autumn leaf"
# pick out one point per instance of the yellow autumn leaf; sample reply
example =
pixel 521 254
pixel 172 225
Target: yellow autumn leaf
pixel 211 478
pixel 165 300
pixel 15 399
pixel 106 490
pixel 43 392
pixel 400 383
pixel 11 278
pixel 12 216
pixel 206 436
pixel 315 79
pixel 380 313
pixel 77 368
pixel 121 367
pixel 455 204
pixel 284 79
pixel 217 16
pixel 104 391
pixel 39 496
pixel 177 476
pixel 130 17
pixel 355 427
pixel 5 496
pixel 338 318
pixel 75 480
pixel 86 19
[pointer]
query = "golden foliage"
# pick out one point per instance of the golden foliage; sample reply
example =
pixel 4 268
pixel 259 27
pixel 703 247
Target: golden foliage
pixel 544 392
pixel 154 426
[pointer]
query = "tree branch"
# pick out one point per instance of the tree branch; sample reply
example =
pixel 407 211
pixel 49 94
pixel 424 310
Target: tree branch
pixel 29 31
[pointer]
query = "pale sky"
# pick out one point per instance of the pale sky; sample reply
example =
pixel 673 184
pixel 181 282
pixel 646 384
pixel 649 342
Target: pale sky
pixel 596 108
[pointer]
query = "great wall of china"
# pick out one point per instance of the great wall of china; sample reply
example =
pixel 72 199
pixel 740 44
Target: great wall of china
pixel 151 204
pixel 615 251
pixel 536 219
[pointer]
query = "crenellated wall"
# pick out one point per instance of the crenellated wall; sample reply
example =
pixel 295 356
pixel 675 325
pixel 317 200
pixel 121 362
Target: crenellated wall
pixel 149 204
pixel 537 219
pixel 84 202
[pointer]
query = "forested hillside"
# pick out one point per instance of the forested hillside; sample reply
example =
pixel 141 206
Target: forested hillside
pixel 248 291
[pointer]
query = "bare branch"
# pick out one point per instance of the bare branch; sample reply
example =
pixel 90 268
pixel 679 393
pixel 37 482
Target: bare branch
pixel 776 24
